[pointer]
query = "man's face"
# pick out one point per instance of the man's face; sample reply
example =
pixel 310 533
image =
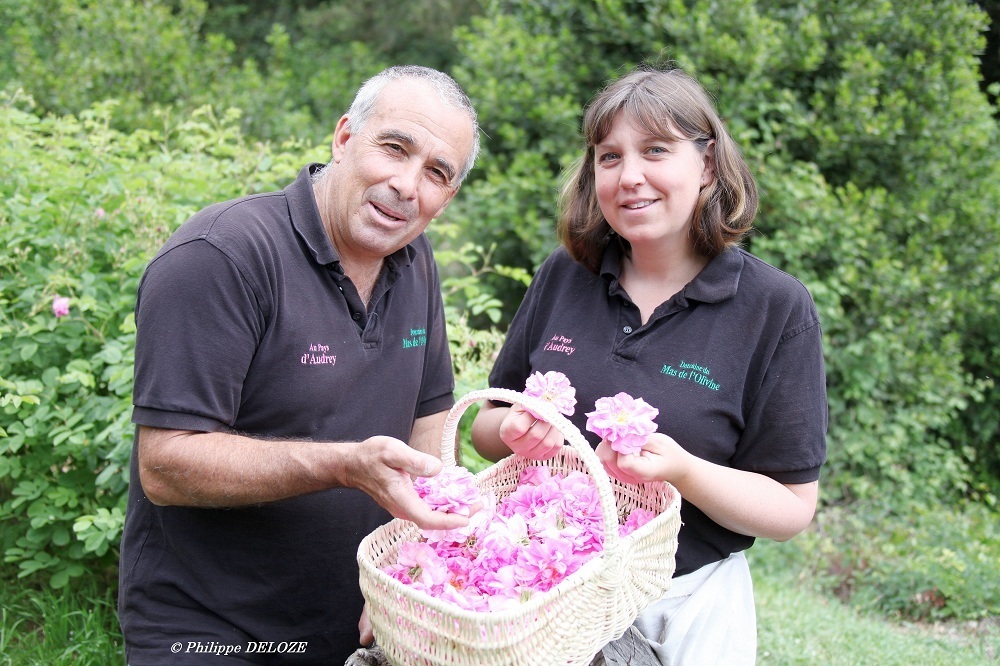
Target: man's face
pixel 395 174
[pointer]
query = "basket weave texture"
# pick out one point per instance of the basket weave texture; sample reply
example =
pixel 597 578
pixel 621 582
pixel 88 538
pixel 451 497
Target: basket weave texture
pixel 566 625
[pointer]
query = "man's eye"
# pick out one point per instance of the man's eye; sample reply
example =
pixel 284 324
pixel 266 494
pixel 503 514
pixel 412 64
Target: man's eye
pixel 394 147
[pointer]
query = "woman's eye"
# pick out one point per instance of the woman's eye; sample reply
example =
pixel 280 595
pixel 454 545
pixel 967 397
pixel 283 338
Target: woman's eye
pixel 607 157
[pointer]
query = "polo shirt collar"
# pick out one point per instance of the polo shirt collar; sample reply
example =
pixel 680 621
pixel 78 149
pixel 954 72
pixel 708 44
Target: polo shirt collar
pixel 715 283
pixel 304 212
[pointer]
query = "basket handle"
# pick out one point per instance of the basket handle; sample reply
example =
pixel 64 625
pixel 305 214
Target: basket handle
pixel 552 416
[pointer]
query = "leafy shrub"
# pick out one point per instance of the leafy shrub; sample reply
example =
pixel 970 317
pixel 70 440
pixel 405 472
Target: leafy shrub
pixel 900 559
pixel 472 351
pixel 82 209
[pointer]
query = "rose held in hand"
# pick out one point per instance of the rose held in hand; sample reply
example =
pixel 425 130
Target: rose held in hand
pixel 624 421
pixel 454 490
pixel 552 387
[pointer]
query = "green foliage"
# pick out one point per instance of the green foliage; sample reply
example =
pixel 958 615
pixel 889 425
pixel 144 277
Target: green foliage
pixel 85 231
pixel 799 625
pixel 74 53
pixel 901 559
pixel 151 56
pixel 472 352
pixel 60 627
pixel 416 32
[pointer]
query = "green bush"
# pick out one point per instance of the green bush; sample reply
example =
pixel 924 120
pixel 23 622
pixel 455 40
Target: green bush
pixel 82 209
pixel 898 559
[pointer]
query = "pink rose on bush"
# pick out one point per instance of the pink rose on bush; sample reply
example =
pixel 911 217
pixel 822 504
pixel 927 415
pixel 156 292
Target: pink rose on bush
pixel 60 306
pixel 552 387
pixel 624 421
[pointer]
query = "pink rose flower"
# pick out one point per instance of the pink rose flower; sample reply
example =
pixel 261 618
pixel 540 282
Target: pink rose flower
pixel 60 306
pixel 422 566
pixel 624 421
pixel 635 520
pixel 453 490
pixel 552 387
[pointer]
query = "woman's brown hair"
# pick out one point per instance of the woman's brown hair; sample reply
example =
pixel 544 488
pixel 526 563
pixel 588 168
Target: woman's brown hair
pixel 670 104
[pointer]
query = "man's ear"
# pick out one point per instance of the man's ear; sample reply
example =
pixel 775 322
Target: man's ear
pixel 341 133
pixel 447 201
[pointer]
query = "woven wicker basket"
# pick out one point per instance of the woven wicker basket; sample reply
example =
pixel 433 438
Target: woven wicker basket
pixel 566 625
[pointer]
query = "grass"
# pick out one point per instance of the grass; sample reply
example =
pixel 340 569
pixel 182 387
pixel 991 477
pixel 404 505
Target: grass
pixel 797 626
pixel 55 628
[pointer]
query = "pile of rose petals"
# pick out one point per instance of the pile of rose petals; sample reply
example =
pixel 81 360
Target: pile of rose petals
pixel 528 542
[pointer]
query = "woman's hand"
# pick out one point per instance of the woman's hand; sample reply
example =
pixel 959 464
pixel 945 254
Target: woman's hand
pixel 661 459
pixel 744 502
pixel 530 437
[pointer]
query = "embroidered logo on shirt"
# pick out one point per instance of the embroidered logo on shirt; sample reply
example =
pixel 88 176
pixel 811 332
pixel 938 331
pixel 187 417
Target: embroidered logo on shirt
pixel 559 343
pixel 317 355
pixel 692 372
pixel 418 338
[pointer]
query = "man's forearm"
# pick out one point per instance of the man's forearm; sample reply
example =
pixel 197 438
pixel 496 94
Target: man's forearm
pixel 185 468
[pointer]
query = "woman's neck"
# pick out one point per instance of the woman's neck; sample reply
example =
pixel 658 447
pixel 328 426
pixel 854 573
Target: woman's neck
pixel 653 278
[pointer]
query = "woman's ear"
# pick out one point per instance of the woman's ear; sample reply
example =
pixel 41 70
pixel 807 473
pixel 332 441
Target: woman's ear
pixel 708 165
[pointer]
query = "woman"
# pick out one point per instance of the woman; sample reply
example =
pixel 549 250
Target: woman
pixel 650 295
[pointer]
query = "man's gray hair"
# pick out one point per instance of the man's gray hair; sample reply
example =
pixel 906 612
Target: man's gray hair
pixel 449 90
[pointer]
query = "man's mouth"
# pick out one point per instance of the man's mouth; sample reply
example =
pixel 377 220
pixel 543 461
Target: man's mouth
pixel 388 213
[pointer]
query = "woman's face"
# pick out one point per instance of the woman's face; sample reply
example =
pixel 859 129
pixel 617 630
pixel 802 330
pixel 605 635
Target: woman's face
pixel 647 187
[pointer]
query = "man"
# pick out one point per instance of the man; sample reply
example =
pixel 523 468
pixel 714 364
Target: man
pixel 288 345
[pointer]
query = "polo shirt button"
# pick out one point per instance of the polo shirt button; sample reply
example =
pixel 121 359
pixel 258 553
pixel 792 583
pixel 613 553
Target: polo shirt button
pixel 627 330
pixel 355 316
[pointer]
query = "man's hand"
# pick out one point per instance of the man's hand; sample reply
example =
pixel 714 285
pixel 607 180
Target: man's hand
pixel 382 467
pixel 365 628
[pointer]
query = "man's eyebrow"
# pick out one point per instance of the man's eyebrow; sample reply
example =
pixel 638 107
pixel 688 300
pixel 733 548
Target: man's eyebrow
pixel 396 135
pixel 409 141
pixel 446 166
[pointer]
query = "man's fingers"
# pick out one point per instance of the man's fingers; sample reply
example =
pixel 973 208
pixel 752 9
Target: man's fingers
pixel 415 462
pixel 428 519
pixel 365 628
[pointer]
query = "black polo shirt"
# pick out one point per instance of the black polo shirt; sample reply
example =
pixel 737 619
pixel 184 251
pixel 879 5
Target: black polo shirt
pixel 733 362
pixel 246 322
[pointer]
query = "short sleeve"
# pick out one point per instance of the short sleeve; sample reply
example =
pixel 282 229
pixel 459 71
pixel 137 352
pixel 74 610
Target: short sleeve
pixel 785 433
pixel 198 325
pixel 513 364
pixel 437 391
